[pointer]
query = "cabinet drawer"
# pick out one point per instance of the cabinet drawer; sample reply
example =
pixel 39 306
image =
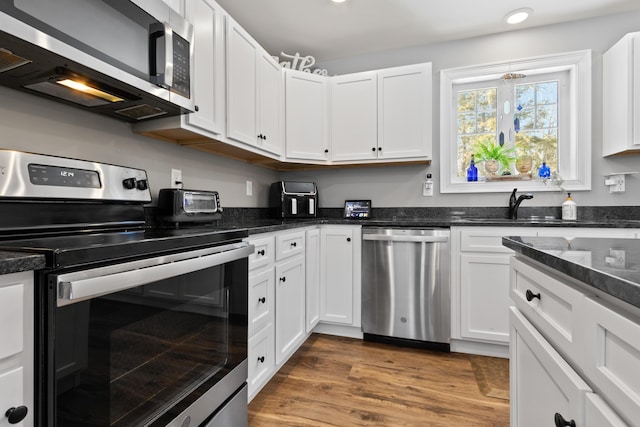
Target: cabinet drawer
pixel 548 303
pixel 489 239
pixel 264 253
pixel 598 414
pixel 261 358
pixel 610 356
pixel 261 299
pixel 289 244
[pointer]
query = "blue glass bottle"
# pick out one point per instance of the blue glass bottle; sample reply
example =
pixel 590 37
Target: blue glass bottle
pixel 472 171
pixel 544 171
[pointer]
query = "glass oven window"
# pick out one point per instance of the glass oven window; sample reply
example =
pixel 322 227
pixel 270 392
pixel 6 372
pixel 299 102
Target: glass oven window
pixel 124 358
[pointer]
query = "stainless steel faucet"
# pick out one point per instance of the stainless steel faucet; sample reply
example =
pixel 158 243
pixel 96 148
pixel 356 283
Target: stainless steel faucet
pixel 514 203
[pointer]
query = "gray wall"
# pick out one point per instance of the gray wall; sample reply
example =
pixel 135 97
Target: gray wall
pixel 401 186
pixel 38 125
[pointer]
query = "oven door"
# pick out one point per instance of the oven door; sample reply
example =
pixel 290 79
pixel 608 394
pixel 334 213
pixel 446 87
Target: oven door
pixel 159 341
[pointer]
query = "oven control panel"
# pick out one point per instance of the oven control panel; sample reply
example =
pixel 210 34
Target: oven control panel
pixel 40 176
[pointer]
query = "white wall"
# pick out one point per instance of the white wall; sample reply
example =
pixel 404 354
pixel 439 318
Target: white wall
pixel 401 186
pixel 31 123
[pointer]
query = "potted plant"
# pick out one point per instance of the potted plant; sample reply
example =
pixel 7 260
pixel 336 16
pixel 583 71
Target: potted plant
pixel 493 155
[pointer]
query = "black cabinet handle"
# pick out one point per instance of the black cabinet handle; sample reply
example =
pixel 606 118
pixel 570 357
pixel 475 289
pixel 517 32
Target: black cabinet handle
pixel 373 148
pixel 348 239
pixel 326 150
pixel 260 252
pixel 530 295
pixel 261 359
pixel 283 279
pixel 379 148
pixel 196 108
pixel 294 244
pixel 262 300
pixel 15 415
pixel 561 422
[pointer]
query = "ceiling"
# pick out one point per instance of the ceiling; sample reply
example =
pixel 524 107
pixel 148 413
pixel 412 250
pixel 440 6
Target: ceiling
pixel 329 31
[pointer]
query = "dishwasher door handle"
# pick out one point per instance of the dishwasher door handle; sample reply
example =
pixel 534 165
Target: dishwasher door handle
pixel 417 239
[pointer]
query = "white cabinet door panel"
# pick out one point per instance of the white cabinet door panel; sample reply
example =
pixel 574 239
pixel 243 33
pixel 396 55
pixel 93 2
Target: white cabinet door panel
pixel 290 307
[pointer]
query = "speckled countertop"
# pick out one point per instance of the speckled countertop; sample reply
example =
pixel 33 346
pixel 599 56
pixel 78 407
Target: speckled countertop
pixel 14 262
pixel 609 265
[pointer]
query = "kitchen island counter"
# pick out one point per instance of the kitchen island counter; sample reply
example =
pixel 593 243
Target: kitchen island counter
pixel 610 266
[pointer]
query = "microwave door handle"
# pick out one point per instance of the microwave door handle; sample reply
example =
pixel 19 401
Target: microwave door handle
pixel 161 73
pixel 72 291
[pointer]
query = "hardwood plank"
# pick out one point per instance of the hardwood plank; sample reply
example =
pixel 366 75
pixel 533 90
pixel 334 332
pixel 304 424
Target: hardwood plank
pixel 335 381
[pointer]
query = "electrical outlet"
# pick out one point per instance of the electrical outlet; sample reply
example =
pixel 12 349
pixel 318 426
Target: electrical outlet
pixel 249 188
pixel 176 178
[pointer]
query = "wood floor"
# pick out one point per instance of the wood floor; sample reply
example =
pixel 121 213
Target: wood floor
pixel 334 381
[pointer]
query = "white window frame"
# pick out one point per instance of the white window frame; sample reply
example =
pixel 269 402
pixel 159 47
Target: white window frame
pixel 575 169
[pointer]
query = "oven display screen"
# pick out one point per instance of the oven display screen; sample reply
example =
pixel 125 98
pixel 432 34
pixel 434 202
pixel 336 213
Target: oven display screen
pixel 63 177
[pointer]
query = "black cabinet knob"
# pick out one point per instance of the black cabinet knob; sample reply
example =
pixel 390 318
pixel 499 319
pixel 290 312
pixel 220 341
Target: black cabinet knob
pixel 326 150
pixel 348 239
pixel 15 415
pixel 264 137
pixel 561 422
pixel 261 359
pixel 196 108
pixel 373 148
pixel 283 279
pixel 294 244
pixel 261 252
pixel 262 300
pixel 530 295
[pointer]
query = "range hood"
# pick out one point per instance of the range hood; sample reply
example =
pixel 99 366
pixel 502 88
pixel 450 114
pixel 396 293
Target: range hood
pixel 36 62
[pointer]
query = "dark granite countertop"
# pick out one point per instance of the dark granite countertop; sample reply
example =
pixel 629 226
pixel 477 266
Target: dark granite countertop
pixel 609 265
pixel 258 226
pixel 14 262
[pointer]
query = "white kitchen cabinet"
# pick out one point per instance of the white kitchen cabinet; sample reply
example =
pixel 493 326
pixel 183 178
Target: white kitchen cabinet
pixel 571 352
pixel 290 307
pixel 312 285
pixel 354 117
pixel 306 126
pixel 254 92
pixel 16 345
pixel 261 359
pixel 621 96
pixel 543 384
pixel 480 283
pixel 261 299
pixel 383 114
pixel 340 275
pixel 404 112
pixel 177 5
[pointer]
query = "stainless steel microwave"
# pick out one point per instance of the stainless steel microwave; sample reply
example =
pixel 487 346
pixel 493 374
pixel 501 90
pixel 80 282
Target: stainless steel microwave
pixel 130 59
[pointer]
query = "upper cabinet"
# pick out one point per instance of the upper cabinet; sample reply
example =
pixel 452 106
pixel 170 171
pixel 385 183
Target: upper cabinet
pixel 621 96
pixel 382 115
pixel 254 92
pixel 306 98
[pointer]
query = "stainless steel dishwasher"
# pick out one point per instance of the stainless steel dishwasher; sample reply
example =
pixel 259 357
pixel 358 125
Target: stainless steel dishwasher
pixel 406 286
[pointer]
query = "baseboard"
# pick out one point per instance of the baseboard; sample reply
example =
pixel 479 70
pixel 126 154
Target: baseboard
pixel 339 330
pixel 480 348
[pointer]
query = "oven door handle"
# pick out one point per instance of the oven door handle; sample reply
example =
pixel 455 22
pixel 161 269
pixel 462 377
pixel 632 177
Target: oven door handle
pixel 87 284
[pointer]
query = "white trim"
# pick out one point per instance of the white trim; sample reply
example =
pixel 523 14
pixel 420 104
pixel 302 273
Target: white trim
pixel 579 66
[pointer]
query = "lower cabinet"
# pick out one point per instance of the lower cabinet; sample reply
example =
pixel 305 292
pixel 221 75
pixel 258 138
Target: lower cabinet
pixel 16 347
pixel 574 357
pixel 290 307
pixel 312 285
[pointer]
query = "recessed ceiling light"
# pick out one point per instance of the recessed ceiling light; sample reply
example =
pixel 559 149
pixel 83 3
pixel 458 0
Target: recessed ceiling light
pixel 518 15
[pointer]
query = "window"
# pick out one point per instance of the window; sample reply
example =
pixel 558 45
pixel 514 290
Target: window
pixel 538 109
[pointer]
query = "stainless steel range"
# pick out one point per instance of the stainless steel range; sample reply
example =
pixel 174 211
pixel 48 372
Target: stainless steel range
pixel 135 326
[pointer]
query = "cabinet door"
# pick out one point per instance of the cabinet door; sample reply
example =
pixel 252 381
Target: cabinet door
pixel 542 383
pixel 208 68
pixel 242 60
pixel 261 299
pixel 290 317
pixel 336 298
pixel 312 285
pixel 484 293
pixel 404 112
pixel 270 97
pixel 306 116
pixel 354 117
